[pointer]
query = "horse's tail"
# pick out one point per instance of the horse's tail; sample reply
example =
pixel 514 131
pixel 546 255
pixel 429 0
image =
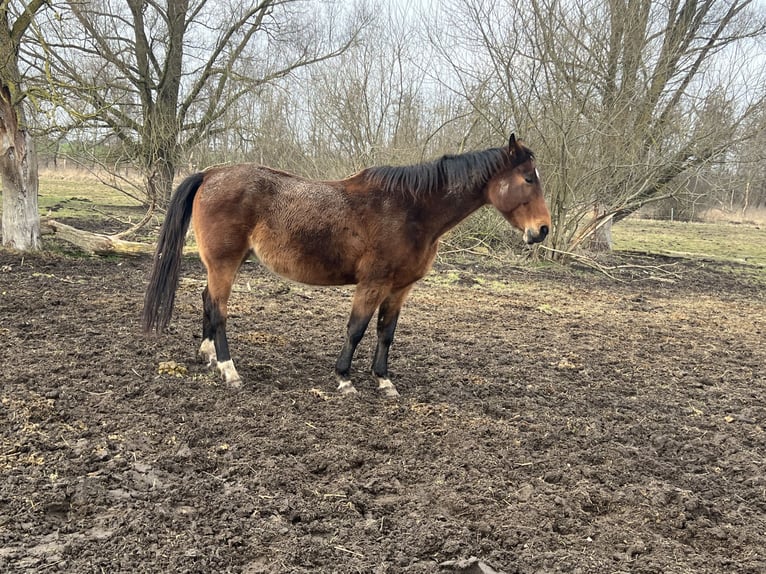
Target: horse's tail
pixel 164 276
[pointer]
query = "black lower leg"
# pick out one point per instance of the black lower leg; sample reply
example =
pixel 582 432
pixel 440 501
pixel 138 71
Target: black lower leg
pixel 208 334
pixel 386 329
pixel 214 327
pixel 354 333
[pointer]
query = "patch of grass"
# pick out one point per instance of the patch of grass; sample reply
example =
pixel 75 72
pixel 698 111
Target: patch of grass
pixel 752 216
pixel 447 277
pixel 78 194
pixel 737 243
pixel 82 200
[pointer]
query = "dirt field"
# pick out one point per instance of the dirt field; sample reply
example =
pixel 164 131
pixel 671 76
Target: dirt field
pixel 551 420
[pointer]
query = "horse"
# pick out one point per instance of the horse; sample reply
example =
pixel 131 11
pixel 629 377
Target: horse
pixel 378 229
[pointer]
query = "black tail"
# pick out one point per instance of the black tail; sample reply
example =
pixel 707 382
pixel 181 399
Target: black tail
pixel 163 278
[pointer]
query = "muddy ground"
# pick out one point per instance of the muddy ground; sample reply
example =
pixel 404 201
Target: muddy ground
pixel 551 420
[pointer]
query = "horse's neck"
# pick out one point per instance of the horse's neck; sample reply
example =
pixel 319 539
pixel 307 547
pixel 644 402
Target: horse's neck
pixel 444 210
pixel 435 212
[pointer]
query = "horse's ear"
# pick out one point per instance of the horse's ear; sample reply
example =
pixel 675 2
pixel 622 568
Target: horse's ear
pixel 513 148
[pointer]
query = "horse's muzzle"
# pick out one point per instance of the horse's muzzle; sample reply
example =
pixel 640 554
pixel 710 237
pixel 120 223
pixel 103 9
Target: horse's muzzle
pixel 535 236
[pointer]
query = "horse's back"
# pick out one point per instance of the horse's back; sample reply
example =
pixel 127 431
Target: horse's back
pixel 304 230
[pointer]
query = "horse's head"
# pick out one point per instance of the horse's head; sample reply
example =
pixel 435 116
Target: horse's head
pixel 517 193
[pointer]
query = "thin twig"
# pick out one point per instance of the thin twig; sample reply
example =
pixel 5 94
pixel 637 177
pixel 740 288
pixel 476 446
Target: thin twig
pixel 146 219
pixel 588 261
pixel 346 550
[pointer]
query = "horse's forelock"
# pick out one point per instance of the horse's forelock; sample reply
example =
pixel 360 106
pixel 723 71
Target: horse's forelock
pixel 523 156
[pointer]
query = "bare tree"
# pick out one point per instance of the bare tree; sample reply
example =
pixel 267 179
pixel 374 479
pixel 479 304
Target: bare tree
pixel 163 76
pixel 612 93
pixel 367 107
pixel 749 192
pixel 18 162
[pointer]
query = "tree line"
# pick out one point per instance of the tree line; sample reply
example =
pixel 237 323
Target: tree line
pixel 625 102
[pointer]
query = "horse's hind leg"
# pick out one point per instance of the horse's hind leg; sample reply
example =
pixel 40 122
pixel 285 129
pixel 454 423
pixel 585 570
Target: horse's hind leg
pixel 207 348
pixel 215 299
pixel 388 315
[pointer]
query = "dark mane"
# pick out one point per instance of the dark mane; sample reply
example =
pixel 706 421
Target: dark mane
pixel 451 173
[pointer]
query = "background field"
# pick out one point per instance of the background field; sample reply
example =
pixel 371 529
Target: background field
pixel 86 201
pixel 553 419
pixel 739 243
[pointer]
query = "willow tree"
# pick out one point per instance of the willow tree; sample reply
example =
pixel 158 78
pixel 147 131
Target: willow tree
pixel 18 162
pixel 611 94
pixel 161 77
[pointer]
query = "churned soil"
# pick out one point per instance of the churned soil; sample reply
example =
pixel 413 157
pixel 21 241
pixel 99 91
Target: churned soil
pixel 550 420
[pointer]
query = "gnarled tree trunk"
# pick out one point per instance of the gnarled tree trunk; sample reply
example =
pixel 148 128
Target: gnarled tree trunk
pixel 18 165
pixel 18 160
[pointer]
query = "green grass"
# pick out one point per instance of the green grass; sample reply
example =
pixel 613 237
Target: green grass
pixel 75 195
pixel 737 243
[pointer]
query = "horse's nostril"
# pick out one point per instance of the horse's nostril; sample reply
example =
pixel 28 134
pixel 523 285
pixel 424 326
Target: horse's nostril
pixel 543 232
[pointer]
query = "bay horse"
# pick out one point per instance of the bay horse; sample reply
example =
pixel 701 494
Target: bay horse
pixel 378 229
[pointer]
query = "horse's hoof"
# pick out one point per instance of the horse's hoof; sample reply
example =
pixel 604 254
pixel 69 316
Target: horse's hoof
pixel 388 388
pixel 235 383
pixel 206 353
pixel 346 387
pixel 230 374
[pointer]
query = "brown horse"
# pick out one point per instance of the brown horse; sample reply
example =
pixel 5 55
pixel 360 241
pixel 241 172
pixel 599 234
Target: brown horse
pixel 378 229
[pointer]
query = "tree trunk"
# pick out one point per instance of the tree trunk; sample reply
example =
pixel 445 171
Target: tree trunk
pixel 95 243
pixel 596 234
pixel 18 160
pixel 601 240
pixel 18 164
pixel 159 181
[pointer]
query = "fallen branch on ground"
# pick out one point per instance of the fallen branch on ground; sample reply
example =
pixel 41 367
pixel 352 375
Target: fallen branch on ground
pixel 94 243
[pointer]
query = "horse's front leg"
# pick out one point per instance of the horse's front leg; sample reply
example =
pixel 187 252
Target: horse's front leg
pixel 388 315
pixel 366 300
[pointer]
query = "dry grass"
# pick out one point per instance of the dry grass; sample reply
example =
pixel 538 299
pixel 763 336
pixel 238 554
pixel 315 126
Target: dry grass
pixel 82 190
pixel 752 216
pixel 739 243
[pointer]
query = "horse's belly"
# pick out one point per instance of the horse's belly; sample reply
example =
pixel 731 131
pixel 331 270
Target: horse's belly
pixel 310 262
pixel 308 272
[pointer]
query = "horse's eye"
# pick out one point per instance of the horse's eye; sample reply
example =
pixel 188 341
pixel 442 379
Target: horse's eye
pixel 529 179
